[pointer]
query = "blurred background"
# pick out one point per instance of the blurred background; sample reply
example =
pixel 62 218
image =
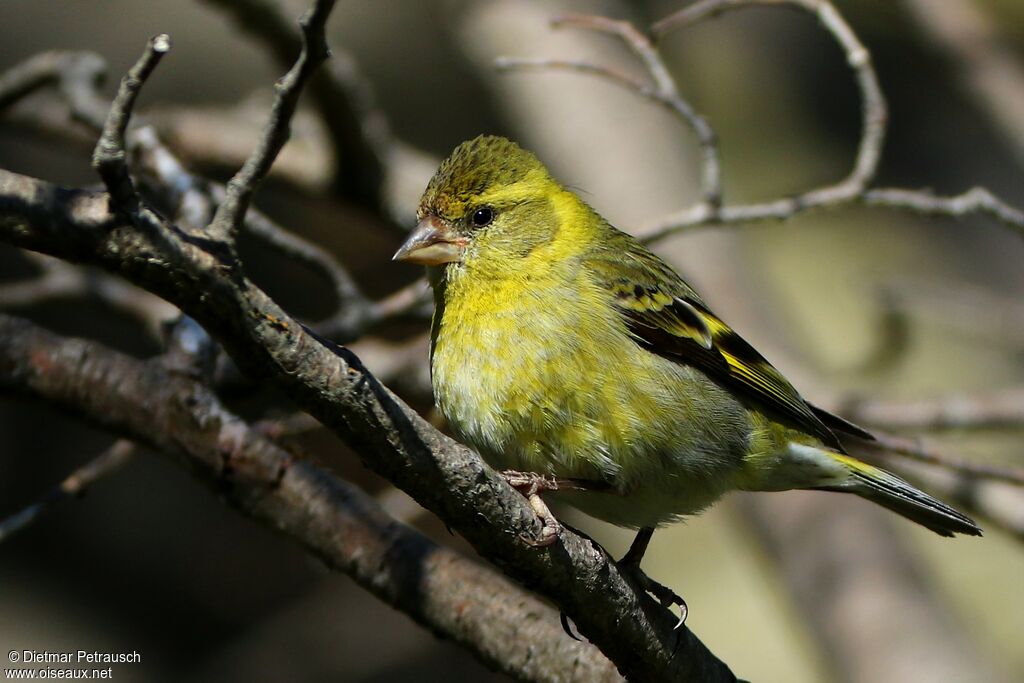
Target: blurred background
pixel 853 304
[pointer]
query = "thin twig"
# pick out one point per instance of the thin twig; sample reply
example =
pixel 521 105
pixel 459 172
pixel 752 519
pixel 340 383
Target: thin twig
pixel 856 186
pixel 238 195
pixel 59 280
pixel 111 460
pixel 360 136
pixel 1003 408
pixel 76 74
pixel 915 450
pixel 354 313
pixel 977 200
pixel 109 157
pixel 663 91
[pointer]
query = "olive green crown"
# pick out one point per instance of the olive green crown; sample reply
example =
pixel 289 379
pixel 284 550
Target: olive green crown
pixel 477 165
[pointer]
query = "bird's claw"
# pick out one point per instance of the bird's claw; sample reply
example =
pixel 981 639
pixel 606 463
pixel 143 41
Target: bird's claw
pixel 567 626
pixel 549 532
pixel 530 484
pixel 663 594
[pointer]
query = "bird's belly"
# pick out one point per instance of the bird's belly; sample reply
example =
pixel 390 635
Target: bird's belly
pixel 665 438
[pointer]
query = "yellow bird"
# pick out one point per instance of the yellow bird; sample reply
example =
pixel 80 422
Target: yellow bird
pixel 578 362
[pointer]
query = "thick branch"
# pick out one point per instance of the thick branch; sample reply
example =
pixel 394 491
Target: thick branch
pixel 456 598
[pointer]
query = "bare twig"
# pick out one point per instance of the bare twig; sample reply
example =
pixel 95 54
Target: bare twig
pixel 359 131
pixel 60 280
pixel 873 106
pixel 353 312
pixel 231 212
pixel 854 188
pixel 976 201
pixel 874 111
pixel 995 409
pixel 76 74
pixel 195 198
pixel 915 450
pixel 111 460
pixel 109 158
pixel 663 91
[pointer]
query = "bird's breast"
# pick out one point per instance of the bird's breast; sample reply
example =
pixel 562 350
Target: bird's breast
pixel 547 379
pixel 510 366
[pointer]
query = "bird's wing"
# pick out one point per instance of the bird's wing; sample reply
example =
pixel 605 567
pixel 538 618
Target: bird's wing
pixel 668 318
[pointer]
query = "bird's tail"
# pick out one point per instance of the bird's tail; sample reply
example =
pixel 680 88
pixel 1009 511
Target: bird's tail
pixel 893 493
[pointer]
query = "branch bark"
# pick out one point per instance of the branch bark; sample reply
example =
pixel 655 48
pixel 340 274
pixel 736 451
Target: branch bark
pixel 505 626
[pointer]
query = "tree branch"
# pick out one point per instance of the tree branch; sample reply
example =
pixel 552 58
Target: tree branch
pixel 109 157
pixel 231 211
pixel 110 461
pixel 854 188
pixel 76 74
pixel 663 91
pixel 456 598
pixel 1003 408
pixel 359 132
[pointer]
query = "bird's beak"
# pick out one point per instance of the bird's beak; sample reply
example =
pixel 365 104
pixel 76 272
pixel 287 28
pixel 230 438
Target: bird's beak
pixel 432 243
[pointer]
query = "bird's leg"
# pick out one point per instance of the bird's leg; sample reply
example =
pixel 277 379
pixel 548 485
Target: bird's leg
pixel 531 485
pixel 630 565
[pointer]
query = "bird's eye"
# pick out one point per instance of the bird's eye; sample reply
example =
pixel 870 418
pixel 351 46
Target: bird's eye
pixel 482 216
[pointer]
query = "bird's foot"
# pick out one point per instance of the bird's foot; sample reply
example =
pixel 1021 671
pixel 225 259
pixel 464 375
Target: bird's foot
pixel 663 594
pixel 531 485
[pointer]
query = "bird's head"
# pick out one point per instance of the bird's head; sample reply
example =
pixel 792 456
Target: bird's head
pixel 490 197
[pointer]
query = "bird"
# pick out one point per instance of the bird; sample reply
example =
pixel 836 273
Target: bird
pixel 581 366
